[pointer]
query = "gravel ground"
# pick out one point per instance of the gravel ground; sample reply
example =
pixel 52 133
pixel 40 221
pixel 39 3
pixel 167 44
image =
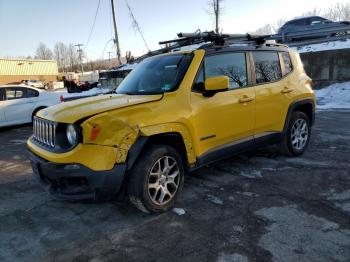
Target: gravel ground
pixel 256 206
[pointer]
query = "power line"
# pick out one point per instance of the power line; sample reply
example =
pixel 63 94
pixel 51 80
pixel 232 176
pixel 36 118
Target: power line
pixel 136 25
pixel 104 49
pixel 93 24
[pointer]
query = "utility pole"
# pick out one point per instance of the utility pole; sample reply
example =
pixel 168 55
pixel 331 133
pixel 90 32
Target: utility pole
pixel 80 52
pixel 109 58
pixel 116 40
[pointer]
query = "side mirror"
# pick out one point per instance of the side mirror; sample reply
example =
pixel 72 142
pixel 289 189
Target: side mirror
pixel 216 84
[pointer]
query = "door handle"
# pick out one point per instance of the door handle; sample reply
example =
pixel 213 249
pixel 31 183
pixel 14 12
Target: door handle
pixel 287 90
pixel 246 98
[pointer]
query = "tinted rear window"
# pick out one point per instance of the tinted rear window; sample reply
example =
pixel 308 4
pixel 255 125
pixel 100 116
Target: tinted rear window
pixel 267 67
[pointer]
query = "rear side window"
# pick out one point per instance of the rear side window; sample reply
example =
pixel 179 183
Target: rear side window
pixel 267 67
pixel 232 65
pixel 288 67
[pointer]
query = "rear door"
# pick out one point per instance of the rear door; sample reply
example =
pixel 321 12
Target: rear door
pixel 272 92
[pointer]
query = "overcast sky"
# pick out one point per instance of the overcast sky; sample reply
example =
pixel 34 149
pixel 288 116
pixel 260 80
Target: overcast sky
pixel 25 23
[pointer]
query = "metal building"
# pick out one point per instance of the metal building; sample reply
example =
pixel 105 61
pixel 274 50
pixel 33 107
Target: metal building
pixel 16 70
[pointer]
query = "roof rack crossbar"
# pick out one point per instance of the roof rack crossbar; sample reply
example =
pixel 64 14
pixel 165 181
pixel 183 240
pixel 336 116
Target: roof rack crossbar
pixel 198 37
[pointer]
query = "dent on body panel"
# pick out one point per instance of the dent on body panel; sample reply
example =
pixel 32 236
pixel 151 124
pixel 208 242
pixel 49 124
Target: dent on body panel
pixel 108 130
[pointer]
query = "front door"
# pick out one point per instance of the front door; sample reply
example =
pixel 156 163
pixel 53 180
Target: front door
pixel 17 107
pixel 2 108
pixel 227 118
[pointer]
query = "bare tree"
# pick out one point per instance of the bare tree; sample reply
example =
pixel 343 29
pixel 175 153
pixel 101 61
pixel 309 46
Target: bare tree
pixel 313 12
pixel 338 12
pixel 215 10
pixel 265 30
pixel 276 26
pixel 136 26
pixel 43 52
pixel 61 55
pixel 72 55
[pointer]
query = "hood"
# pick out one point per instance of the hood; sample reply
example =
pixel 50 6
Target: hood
pixel 70 112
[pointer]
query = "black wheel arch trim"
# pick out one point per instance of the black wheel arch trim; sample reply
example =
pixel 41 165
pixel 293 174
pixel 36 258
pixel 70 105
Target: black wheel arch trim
pixel 135 151
pixel 140 144
pixel 294 105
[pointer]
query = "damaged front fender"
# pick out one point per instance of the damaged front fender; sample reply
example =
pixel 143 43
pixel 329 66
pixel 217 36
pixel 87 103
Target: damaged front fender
pixel 113 131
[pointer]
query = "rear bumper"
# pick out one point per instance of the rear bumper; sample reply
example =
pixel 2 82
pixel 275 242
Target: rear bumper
pixel 75 181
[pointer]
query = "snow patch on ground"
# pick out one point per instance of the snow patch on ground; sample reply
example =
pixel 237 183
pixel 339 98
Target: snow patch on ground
pixel 179 211
pixel 332 45
pixel 340 199
pixel 231 258
pixel 334 96
pixel 215 200
pixel 253 174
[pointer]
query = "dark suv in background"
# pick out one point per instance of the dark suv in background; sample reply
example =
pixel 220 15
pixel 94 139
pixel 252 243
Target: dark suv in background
pixel 312 24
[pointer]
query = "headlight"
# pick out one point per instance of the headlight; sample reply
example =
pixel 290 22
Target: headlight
pixel 72 134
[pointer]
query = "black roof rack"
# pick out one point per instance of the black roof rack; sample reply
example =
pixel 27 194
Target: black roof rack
pixel 209 39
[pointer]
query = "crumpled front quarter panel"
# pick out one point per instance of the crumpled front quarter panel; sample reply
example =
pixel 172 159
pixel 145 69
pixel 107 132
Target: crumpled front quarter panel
pixel 109 130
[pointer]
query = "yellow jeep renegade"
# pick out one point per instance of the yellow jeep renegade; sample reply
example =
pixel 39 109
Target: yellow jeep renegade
pixel 173 113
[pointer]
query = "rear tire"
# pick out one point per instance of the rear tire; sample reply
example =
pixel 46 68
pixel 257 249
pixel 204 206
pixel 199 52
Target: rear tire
pixel 156 179
pixel 297 136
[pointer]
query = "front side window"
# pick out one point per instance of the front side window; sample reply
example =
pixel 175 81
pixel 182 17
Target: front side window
pixel 2 94
pixel 267 66
pixel 14 93
pixel 232 65
pixel 156 75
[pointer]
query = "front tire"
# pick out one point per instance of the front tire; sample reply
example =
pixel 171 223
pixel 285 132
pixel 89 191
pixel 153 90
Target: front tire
pixel 156 179
pixel 297 136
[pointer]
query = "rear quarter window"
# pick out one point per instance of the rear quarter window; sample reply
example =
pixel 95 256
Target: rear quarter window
pixel 32 93
pixel 267 66
pixel 288 66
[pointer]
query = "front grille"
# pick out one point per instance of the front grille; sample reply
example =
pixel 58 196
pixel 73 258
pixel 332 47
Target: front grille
pixel 44 132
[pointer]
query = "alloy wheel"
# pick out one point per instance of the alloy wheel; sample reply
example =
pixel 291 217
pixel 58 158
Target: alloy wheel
pixel 299 134
pixel 163 180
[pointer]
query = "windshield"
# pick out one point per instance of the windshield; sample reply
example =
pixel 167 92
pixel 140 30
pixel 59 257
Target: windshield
pixel 156 75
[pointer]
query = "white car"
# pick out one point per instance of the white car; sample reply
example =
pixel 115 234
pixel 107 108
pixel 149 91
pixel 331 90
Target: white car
pixel 33 83
pixel 19 104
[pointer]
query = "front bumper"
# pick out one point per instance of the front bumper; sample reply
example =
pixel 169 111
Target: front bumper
pixel 75 181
